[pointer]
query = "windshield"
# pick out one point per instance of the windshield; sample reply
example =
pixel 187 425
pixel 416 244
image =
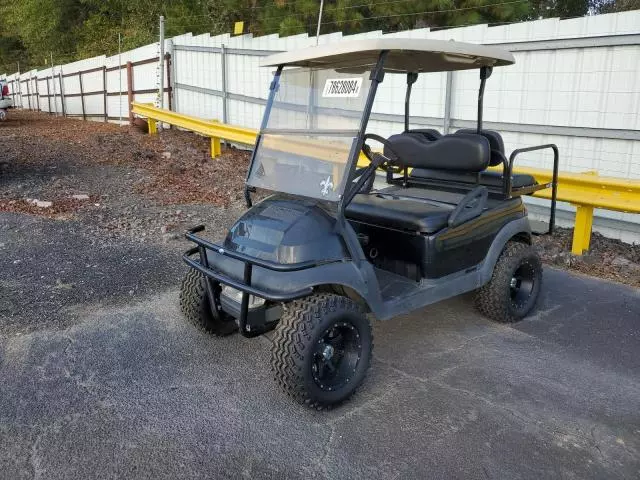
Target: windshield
pixel 310 132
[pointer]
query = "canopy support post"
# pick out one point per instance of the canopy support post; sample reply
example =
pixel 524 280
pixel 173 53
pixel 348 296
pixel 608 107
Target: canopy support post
pixel 411 79
pixel 485 72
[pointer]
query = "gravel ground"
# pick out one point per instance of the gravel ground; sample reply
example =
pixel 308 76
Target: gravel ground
pixel 137 185
pixel 101 377
pixel 122 234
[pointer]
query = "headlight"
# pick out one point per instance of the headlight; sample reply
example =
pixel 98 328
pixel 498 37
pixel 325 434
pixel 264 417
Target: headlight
pixel 236 295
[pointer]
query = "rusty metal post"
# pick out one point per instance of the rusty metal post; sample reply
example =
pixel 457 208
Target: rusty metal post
pixel 104 87
pixel 64 109
pixel 37 93
pixel 130 90
pixel 28 94
pixel 84 113
pixel 167 58
pixel 48 95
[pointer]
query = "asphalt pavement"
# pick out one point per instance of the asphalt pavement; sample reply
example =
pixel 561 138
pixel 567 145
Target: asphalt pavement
pixel 100 377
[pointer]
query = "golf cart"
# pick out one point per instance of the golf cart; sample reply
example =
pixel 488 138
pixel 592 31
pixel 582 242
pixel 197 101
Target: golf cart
pixel 328 247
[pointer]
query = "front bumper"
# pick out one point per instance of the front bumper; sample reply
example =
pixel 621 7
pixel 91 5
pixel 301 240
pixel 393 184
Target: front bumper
pixel 257 317
pixel 250 324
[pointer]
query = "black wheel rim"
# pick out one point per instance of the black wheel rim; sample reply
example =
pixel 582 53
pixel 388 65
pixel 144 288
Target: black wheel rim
pixel 522 284
pixel 336 356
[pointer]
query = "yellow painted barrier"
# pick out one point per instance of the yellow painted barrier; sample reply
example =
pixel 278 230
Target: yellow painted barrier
pixel 210 128
pixel 585 191
pixel 218 131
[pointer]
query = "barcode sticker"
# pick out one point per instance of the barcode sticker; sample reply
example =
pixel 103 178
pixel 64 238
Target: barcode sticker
pixel 342 87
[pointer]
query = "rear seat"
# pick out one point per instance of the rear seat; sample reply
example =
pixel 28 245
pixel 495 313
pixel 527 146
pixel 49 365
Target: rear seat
pixel 488 178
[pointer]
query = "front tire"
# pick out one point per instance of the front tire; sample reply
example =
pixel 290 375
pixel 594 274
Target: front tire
pixel 322 349
pixel 515 284
pixel 194 303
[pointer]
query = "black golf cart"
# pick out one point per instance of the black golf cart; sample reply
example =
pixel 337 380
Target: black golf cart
pixel 327 247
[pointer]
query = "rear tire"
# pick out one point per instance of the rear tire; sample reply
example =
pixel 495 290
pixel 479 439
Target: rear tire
pixel 194 303
pixel 515 284
pixel 322 349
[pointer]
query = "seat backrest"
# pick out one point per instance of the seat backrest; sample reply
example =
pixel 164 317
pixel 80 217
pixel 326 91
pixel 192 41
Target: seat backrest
pixel 459 152
pixel 429 134
pixel 495 142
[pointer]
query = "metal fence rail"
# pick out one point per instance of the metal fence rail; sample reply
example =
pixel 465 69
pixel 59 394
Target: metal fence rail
pixel 446 122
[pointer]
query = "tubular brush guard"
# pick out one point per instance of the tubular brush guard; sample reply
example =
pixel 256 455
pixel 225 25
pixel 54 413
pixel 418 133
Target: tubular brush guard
pixel 204 246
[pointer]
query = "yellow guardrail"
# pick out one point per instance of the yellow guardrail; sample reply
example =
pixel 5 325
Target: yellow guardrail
pixel 210 128
pixel 585 191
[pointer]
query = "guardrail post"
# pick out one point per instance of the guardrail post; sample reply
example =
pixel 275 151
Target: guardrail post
pixel 153 126
pixel 582 229
pixel 216 147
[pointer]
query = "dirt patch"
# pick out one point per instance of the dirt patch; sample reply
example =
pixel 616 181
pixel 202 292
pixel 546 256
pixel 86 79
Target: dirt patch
pixel 607 258
pixel 187 174
pixel 135 181
pixel 59 208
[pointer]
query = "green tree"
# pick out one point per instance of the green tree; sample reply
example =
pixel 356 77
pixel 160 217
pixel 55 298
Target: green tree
pixel 71 29
pixel 352 16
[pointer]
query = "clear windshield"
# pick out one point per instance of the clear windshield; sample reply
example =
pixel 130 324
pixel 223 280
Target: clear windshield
pixel 306 145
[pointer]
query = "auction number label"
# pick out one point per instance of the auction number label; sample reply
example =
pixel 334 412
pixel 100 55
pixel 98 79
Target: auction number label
pixel 342 87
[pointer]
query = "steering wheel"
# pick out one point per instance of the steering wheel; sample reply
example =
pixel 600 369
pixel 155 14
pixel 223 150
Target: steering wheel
pixel 366 176
pixel 391 162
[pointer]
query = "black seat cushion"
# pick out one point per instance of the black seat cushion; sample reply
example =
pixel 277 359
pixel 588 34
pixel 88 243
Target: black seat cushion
pixel 496 143
pixel 398 212
pixel 429 134
pixel 495 139
pixel 488 178
pixel 460 152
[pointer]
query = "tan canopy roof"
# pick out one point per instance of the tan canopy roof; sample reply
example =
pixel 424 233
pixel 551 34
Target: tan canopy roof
pixel 405 55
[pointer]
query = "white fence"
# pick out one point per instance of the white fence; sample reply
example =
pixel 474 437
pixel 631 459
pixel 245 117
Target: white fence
pixel 576 83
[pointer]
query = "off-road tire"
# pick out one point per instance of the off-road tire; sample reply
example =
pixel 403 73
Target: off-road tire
pixel 494 299
pixel 301 327
pixel 194 304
